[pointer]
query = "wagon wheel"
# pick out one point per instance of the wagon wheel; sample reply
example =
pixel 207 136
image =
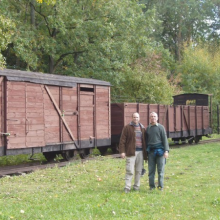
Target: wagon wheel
pixel 103 150
pixel 50 156
pixel 115 149
pixel 190 141
pixel 68 155
pixel 176 141
pixel 83 154
pixel 197 139
pixel 183 140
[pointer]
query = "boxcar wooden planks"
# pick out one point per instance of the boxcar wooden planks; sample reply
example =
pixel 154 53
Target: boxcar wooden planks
pixel 52 119
pixel 25 115
pixel 1 114
pixel 16 123
pixel 87 113
pixel 69 110
pixel 103 121
pixel 35 133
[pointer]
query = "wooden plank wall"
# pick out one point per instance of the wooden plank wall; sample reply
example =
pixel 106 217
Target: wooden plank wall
pixel 69 109
pixel 2 111
pixel 86 115
pixel 25 115
pixel 16 114
pixel 103 128
pixel 117 118
pixel 178 116
pixel 34 119
pixel 51 116
pixel 35 129
pixel 205 116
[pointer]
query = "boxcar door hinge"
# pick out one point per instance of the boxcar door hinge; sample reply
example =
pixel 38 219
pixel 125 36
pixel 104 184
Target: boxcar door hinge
pixel 6 134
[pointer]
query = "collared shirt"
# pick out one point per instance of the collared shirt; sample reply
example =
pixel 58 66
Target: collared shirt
pixel 150 125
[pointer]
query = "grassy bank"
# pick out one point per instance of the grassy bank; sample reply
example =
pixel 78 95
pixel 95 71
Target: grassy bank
pixel 94 190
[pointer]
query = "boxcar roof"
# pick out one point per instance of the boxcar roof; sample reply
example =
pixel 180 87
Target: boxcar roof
pixel 188 94
pixel 50 79
pixel 192 99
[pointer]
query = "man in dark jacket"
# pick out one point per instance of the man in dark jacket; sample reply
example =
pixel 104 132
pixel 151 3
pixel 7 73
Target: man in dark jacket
pixel 158 150
pixel 132 147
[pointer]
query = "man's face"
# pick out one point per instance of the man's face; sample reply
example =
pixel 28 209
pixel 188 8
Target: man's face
pixel 153 118
pixel 136 118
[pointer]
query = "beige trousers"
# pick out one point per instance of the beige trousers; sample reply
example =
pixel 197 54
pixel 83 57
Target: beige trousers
pixel 134 165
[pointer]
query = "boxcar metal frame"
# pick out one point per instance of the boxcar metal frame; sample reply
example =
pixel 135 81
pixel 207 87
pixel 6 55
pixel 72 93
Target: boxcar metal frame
pixel 52 114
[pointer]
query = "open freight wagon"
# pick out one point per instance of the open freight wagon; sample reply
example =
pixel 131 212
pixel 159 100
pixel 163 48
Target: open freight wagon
pixel 52 114
pixel 182 122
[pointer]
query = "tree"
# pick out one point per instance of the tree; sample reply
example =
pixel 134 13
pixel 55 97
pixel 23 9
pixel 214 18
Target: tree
pixel 105 39
pixel 80 37
pixel 199 70
pixel 6 31
pixel 146 80
pixel 183 22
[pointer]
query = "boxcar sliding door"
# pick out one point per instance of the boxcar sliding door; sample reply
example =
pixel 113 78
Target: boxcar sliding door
pixel 24 115
pixel 86 116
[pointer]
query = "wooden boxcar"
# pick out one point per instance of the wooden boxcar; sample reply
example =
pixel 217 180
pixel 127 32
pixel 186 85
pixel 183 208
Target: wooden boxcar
pixel 52 114
pixel 181 122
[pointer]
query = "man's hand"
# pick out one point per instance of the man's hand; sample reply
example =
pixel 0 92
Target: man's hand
pixel 123 155
pixel 166 154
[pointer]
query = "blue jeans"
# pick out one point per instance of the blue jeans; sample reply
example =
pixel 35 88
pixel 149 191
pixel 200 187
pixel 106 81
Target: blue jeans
pixel 153 163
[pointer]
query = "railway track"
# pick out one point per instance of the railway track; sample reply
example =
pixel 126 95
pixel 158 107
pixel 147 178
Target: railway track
pixel 209 141
pixel 31 167
pixel 194 144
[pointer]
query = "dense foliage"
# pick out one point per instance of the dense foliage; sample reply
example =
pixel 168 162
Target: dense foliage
pixel 5 36
pixel 141 47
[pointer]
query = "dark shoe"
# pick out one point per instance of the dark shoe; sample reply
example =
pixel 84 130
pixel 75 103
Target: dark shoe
pixel 152 188
pixel 126 190
pixel 136 190
pixel 143 172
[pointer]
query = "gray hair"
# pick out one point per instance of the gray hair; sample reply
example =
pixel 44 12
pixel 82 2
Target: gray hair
pixel 154 113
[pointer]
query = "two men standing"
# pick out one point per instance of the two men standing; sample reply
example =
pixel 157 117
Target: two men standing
pixel 133 146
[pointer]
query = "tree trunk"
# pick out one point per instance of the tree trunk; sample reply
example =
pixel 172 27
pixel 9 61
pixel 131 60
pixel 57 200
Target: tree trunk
pixel 32 14
pixel 179 41
pixel 51 64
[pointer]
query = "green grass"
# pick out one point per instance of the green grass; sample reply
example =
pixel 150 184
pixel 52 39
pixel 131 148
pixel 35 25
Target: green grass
pixel 18 159
pixel 27 158
pixel 94 190
pixel 212 136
